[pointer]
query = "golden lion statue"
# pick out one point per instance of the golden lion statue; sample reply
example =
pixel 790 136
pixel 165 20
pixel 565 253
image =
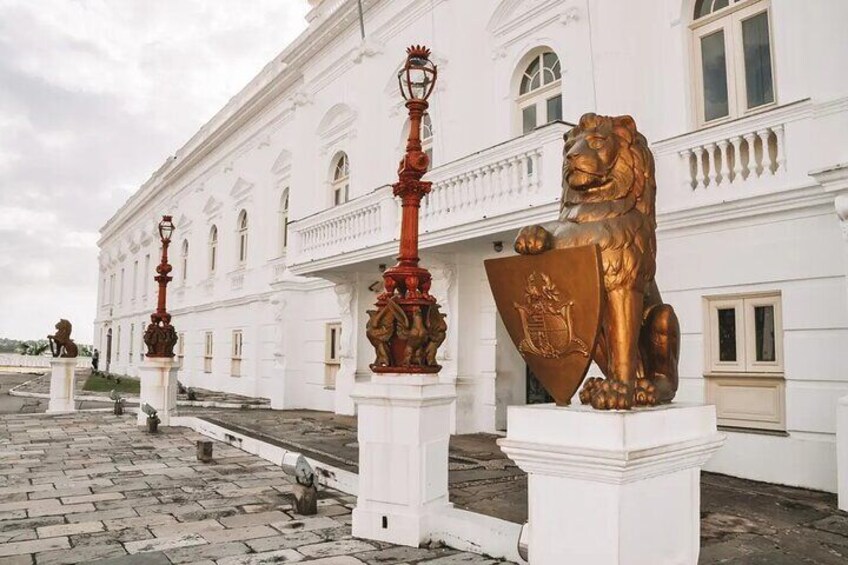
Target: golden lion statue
pixel 61 344
pixel 609 191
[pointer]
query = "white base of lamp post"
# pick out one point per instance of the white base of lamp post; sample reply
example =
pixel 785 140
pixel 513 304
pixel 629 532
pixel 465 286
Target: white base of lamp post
pixel 403 432
pixel 158 388
pixel 62 382
pixel 613 488
pixel 842 451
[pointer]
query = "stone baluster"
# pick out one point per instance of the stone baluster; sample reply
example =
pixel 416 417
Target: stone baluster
pixel 686 168
pixel 752 155
pixel 736 143
pixel 503 174
pixel 780 158
pixel 699 168
pixel 767 165
pixel 724 154
pixel 712 168
pixel 537 170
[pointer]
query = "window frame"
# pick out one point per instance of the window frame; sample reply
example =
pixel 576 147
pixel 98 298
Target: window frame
pixel 213 249
pixel 242 231
pixel 332 356
pixel 184 261
pixel 340 183
pixel 208 351
pixel 180 349
pixel 236 352
pixel 746 363
pixel 729 19
pixel 540 96
pixel 284 220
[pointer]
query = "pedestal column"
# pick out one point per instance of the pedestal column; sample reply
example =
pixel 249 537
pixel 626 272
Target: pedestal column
pixel 403 432
pixel 613 488
pixel 842 451
pixel 158 388
pixel 62 382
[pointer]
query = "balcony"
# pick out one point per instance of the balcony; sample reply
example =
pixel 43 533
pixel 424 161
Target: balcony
pixel 752 156
pixel 497 189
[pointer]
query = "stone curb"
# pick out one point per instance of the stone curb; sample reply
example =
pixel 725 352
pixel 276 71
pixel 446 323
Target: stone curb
pixel 134 399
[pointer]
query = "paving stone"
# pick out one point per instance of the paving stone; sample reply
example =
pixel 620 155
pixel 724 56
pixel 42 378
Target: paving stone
pixel 102 515
pixel 330 548
pixel 336 560
pixel 69 529
pixel 153 558
pixel 239 534
pixel 164 544
pixel 30 523
pixel 91 497
pixel 461 559
pixel 305 524
pixel 284 541
pixel 17 535
pixel 135 521
pixel 258 518
pixel 400 555
pixel 111 536
pixel 213 551
pixel 180 528
pixel 33 546
pixel 79 554
pixel 271 557
pixel 61 509
pixel 16 560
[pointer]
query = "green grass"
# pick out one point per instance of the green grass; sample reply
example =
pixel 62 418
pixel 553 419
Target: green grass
pixel 97 383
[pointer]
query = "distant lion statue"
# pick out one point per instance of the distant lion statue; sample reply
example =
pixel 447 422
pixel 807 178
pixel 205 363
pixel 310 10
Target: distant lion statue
pixel 61 344
pixel 609 193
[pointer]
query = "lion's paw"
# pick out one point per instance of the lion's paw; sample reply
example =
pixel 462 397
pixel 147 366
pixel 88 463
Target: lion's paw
pixel 645 394
pixel 533 240
pixel 589 388
pixel 612 395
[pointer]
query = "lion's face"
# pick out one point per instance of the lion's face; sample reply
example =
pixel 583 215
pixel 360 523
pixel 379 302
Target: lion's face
pixel 599 159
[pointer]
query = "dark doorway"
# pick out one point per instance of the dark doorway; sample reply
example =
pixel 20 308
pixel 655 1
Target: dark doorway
pixel 536 393
pixel 108 349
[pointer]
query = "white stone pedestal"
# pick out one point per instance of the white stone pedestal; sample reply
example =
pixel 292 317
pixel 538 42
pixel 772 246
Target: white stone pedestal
pixel 842 451
pixel 612 488
pixel 404 429
pixel 62 381
pixel 158 388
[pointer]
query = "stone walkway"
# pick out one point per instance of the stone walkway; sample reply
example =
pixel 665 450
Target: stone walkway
pixel 743 522
pixel 40 385
pixel 93 488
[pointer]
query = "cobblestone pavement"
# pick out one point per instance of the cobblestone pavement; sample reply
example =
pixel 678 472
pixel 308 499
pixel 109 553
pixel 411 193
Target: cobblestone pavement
pixel 40 384
pixel 743 522
pixel 92 488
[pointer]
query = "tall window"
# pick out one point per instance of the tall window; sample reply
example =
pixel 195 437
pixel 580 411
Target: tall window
pixel 540 92
pixel 132 343
pixel 118 345
pixel 135 280
pixel 341 179
pixel 180 349
pixel 111 289
pixel 238 342
pixel 207 352
pixel 427 137
pixel 733 66
pixel 284 221
pixel 332 354
pixel 121 288
pixel 213 249
pixel 242 237
pixel 146 275
pixel 184 261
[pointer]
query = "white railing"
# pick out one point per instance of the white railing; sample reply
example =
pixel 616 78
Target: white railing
pixel 740 158
pixel 512 177
pixel 35 361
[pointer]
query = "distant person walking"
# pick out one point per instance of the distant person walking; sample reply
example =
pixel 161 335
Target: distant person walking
pixel 95 360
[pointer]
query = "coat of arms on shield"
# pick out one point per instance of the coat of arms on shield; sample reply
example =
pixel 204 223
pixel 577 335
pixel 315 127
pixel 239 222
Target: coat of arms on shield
pixel 551 307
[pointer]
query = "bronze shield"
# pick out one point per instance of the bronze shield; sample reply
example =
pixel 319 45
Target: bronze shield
pixel 551 306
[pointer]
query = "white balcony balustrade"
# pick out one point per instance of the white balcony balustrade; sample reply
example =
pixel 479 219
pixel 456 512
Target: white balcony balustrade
pixel 737 159
pixel 502 187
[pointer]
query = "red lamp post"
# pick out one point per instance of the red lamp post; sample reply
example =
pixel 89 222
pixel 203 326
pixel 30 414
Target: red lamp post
pixel 407 328
pixel 160 336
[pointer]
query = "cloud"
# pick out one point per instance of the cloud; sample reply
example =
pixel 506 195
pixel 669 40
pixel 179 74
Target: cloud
pixel 94 94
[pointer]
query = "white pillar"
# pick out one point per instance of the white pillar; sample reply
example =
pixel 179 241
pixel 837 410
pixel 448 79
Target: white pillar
pixel 158 388
pixel 613 488
pixel 62 381
pixel 403 432
pixel 842 451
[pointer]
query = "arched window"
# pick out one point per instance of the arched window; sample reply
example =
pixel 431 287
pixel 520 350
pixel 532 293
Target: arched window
pixel 427 137
pixel 540 92
pixel 284 220
pixel 242 237
pixel 213 249
pixel 733 61
pixel 184 258
pixel 341 179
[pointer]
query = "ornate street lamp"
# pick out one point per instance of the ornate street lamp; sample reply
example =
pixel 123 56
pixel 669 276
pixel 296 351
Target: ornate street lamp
pixel 160 336
pixel 407 328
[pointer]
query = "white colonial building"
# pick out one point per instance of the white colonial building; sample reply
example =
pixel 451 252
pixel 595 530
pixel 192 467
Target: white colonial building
pixel 285 216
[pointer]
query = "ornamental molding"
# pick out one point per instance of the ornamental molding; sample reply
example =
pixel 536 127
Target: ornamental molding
pixel 513 19
pixel 212 206
pixel 365 50
pixel 240 189
pixel 282 164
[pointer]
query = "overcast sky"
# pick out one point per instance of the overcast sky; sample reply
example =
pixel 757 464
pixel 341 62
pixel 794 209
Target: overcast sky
pixel 94 95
